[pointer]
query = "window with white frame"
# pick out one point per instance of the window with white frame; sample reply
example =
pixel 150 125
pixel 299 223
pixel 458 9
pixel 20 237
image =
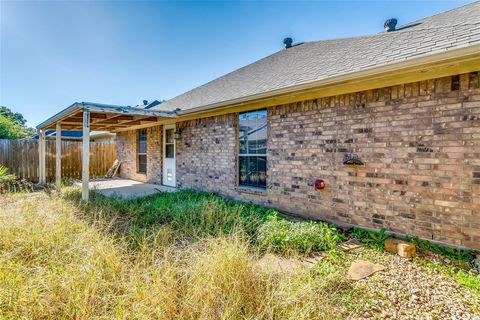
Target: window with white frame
pixel 142 151
pixel 252 149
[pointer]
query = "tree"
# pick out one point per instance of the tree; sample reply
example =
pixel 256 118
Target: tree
pixel 12 125
pixel 15 117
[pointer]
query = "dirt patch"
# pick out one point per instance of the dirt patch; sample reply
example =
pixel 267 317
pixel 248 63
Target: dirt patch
pixel 271 263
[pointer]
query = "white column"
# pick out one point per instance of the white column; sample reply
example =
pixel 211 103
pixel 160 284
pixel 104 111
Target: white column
pixel 58 156
pixel 41 157
pixel 85 155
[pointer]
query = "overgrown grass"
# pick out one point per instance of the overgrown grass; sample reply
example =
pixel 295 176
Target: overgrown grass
pixel 184 255
pixel 280 235
pixel 126 260
pixel 198 214
pixel 189 212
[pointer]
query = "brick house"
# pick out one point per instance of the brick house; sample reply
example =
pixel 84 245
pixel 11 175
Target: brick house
pixel 403 103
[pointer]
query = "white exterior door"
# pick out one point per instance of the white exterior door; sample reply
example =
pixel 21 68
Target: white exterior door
pixel 169 156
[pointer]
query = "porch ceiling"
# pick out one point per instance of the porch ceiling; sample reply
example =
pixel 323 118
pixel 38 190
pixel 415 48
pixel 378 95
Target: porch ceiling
pixel 104 117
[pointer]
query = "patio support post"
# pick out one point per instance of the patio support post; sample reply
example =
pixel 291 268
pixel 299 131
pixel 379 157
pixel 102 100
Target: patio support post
pixel 58 156
pixel 41 158
pixel 85 154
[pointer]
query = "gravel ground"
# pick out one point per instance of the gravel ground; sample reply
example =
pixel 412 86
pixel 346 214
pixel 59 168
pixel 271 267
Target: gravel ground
pixel 407 290
pixel 404 290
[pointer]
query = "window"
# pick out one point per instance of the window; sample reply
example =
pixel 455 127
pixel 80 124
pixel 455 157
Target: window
pixel 252 151
pixel 142 151
pixel 169 143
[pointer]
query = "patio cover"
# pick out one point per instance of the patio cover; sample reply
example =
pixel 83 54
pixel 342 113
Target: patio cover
pixel 88 116
pixel 103 117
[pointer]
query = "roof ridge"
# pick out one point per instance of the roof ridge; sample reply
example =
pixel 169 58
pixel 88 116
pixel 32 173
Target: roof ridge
pixel 408 25
pixel 390 33
pixel 439 14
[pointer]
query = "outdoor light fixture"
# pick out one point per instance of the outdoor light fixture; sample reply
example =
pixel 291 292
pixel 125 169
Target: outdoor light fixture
pixel 319 184
pixel 178 134
pixel 352 160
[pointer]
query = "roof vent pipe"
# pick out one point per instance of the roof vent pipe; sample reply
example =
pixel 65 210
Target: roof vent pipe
pixel 288 42
pixel 390 25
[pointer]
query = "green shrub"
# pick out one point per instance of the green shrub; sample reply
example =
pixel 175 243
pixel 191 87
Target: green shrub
pixel 373 239
pixel 280 235
pixel 10 183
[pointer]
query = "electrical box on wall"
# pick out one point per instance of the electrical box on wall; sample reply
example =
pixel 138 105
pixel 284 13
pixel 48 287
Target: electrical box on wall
pixel 319 184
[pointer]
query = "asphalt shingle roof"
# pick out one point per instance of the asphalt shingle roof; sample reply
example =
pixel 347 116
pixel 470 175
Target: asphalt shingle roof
pixel 313 61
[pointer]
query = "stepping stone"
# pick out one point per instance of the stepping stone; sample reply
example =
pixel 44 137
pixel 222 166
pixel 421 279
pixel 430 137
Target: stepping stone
pixel 350 245
pixel 313 259
pixel 361 269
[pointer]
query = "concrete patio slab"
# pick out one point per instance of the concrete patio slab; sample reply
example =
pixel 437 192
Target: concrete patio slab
pixel 126 188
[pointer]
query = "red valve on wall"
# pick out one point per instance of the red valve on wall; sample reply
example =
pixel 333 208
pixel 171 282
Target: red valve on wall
pixel 319 184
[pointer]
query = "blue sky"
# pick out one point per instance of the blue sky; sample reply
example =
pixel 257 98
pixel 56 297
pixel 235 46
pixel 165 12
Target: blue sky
pixel 54 53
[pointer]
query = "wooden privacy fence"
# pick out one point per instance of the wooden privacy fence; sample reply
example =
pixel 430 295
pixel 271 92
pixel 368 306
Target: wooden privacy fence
pixel 21 157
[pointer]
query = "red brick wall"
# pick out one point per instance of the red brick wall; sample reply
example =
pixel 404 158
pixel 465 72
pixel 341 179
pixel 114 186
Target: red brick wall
pixel 206 154
pixel 421 146
pixel 127 154
pixel 420 143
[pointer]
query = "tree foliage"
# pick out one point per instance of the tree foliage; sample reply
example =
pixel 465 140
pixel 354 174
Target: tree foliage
pixel 12 125
pixel 14 116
